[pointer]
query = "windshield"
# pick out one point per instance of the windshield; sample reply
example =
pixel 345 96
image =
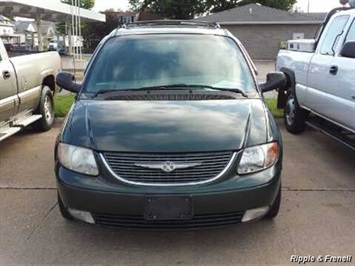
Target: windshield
pixel 159 60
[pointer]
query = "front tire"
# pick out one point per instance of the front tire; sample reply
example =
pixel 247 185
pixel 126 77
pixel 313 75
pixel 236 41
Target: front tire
pixel 46 109
pixel 294 116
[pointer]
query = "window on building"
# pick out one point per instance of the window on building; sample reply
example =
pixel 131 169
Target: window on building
pixel 297 35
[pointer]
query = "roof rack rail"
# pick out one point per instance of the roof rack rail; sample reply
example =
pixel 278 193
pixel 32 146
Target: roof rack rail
pixel 183 23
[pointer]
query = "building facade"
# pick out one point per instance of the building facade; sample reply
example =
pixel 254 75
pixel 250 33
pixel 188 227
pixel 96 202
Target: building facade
pixel 264 30
pixel 6 29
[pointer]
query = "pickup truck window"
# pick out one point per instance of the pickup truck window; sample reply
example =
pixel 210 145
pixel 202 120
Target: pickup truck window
pixel 334 32
pixel 131 62
pixel 351 34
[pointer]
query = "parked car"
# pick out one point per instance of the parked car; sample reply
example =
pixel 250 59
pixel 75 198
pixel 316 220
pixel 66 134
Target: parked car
pixel 320 74
pixel 27 85
pixel 9 47
pixel 53 46
pixel 169 131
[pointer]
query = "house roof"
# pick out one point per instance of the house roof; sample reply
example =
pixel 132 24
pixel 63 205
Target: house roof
pixel 120 14
pixel 3 18
pixel 46 26
pixel 258 14
pixel 22 26
pixel 319 16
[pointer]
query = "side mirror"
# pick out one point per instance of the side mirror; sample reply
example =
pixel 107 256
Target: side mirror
pixel 348 50
pixel 274 80
pixel 66 81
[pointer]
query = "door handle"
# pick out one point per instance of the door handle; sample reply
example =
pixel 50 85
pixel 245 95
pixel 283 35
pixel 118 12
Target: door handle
pixel 6 74
pixel 334 70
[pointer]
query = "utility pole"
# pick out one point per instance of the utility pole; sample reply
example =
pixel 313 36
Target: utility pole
pixel 309 4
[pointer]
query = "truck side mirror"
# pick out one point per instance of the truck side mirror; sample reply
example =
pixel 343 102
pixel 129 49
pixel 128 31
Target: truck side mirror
pixel 274 80
pixel 348 50
pixel 66 81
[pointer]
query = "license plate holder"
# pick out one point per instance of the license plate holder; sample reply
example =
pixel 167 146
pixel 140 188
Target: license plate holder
pixel 168 208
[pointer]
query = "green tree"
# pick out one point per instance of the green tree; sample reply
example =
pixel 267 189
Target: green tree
pixel 87 4
pixel 188 9
pixel 174 9
pixel 95 31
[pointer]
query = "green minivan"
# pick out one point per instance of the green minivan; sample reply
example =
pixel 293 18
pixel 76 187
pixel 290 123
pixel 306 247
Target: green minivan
pixel 170 131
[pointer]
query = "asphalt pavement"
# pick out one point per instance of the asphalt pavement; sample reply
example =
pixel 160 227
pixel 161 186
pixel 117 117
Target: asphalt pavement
pixel 316 217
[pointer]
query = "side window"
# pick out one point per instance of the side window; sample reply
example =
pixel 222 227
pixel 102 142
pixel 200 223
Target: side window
pixel 351 34
pixel 332 36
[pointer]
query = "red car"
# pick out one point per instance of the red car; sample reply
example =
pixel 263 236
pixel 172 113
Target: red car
pixel 9 47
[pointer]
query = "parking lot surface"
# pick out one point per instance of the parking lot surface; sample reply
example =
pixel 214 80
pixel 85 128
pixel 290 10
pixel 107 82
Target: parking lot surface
pixel 317 215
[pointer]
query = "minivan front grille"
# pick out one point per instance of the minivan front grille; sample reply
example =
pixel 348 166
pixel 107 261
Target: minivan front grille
pixel 165 169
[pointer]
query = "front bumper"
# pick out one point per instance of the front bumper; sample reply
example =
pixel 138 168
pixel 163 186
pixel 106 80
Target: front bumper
pixel 121 205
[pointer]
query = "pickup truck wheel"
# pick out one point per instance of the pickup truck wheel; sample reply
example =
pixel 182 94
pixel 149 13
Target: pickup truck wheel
pixel 294 116
pixel 275 207
pixel 46 109
pixel 63 210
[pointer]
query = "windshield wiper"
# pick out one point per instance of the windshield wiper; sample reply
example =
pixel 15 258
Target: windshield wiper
pixel 140 89
pixel 236 90
pixel 176 87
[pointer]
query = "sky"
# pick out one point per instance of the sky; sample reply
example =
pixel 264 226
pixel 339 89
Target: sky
pixel 315 5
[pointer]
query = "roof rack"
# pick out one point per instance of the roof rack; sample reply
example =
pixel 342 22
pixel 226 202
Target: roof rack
pixel 183 23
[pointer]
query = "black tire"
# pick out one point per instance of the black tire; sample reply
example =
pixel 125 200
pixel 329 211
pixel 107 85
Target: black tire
pixel 46 109
pixel 63 210
pixel 294 116
pixel 275 207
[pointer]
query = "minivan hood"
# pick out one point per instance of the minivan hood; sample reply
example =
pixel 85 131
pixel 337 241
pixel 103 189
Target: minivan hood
pixel 167 126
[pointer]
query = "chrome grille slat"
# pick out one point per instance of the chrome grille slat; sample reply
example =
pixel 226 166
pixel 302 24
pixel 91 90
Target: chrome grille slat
pixel 192 155
pixel 169 159
pixel 134 164
pixel 164 159
pixel 167 178
pixel 123 166
pixel 178 172
pixel 141 171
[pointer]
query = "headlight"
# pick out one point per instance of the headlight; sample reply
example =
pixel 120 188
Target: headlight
pixel 77 159
pixel 258 158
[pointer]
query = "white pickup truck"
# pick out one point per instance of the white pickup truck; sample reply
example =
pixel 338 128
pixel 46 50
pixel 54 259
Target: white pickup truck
pixel 27 86
pixel 321 79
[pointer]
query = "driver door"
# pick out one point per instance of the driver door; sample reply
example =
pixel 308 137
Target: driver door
pixel 8 91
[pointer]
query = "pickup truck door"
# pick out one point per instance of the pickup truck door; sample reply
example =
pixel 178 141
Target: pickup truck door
pixel 342 87
pixel 8 91
pixel 320 92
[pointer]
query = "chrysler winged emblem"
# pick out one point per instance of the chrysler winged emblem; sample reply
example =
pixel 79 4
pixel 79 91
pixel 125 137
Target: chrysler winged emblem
pixel 168 166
